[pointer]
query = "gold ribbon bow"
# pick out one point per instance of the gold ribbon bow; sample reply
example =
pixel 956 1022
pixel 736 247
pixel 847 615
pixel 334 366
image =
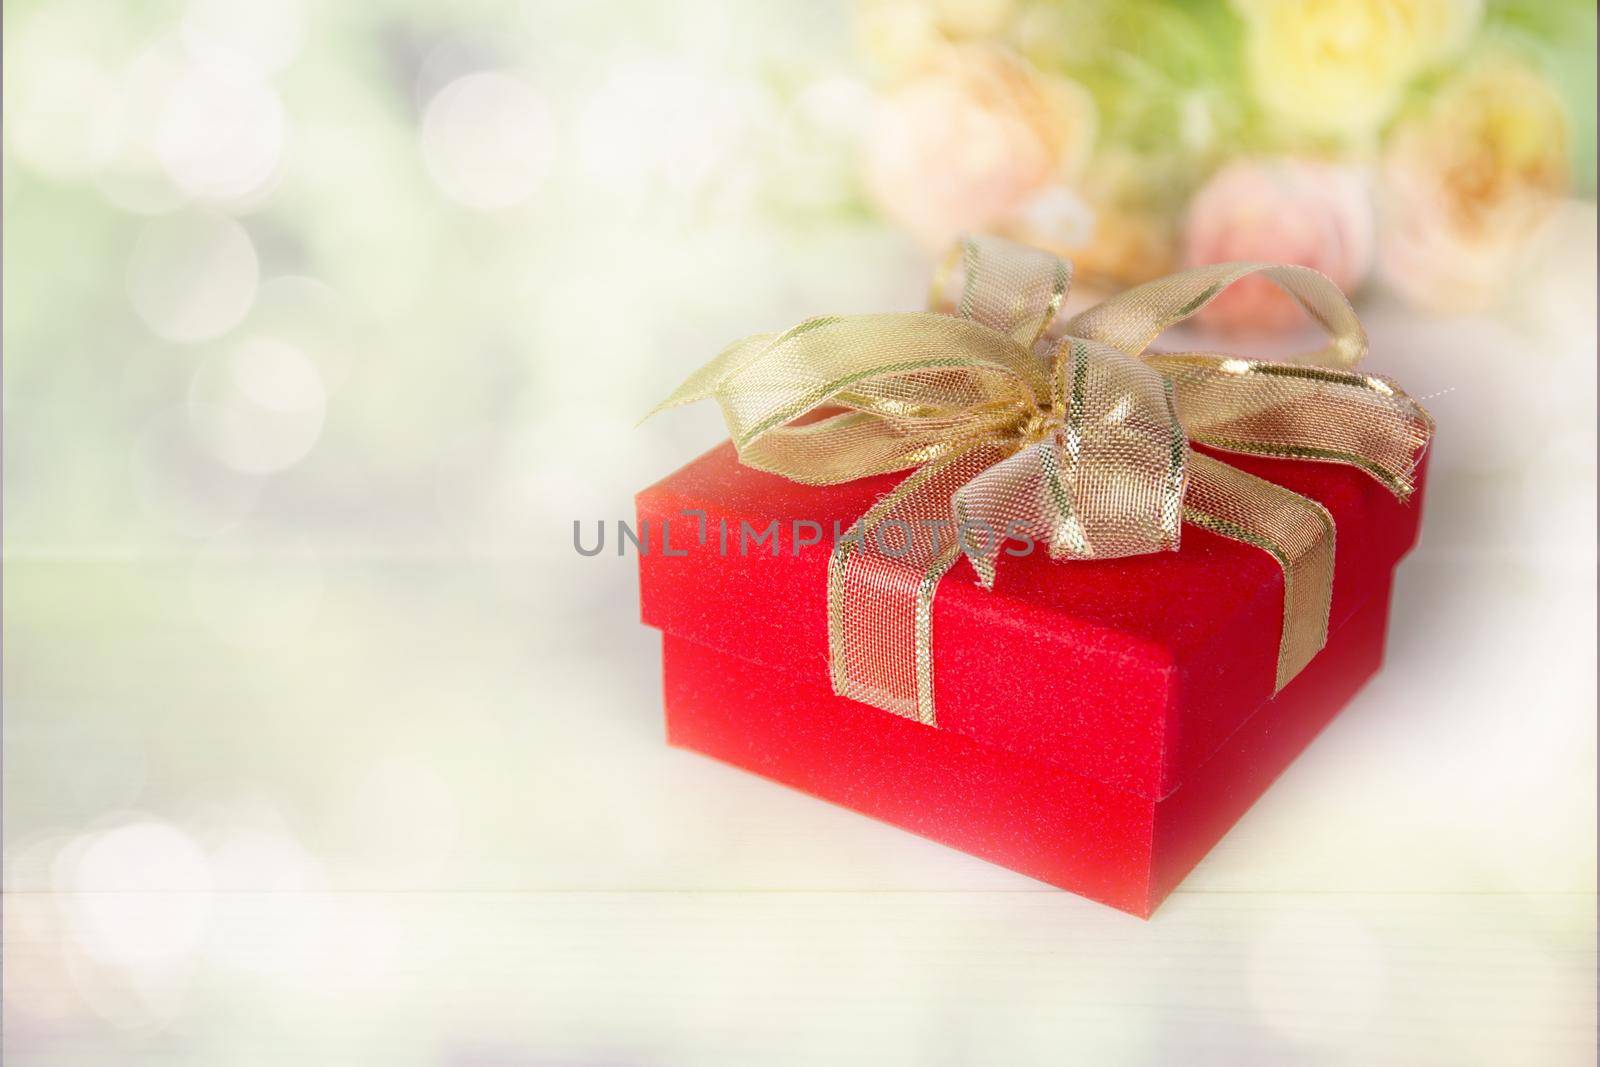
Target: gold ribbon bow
pixel 1073 437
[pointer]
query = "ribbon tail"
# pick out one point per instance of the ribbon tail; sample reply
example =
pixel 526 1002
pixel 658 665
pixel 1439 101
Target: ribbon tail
pixel 704 383
pixel 881 582
pixel 1295 530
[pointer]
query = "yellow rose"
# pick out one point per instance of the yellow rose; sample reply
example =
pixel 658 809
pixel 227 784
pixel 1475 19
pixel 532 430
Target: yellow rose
pixel 1466 182
pixel 964 145
pixel 1337 67
pixel 901 37
pixel 898 37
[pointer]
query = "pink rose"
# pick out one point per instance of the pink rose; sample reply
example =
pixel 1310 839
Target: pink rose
pixel 1279 211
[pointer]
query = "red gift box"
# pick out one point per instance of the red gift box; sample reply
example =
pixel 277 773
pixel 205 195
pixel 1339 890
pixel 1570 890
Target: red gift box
pixel 1101 723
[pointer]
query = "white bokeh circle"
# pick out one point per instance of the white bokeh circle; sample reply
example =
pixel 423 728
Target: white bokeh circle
pixel 487 140
pixel 245 35
pixel 221 137
pixel 141 894
pixel 131 175
pixel 258 406
pixel 311 316
pixel 192 275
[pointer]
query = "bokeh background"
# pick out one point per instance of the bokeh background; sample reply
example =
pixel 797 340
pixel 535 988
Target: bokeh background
pixel 323 323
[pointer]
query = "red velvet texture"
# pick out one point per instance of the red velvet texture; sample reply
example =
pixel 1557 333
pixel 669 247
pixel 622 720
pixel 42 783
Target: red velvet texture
pixel 1105 843
pixel 1131 672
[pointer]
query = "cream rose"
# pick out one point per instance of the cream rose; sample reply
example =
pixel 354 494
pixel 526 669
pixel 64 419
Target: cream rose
pixel 1466 183
pixel 967 143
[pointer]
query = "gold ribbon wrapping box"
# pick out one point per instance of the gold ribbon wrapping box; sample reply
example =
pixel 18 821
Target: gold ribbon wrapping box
pixel 1101 723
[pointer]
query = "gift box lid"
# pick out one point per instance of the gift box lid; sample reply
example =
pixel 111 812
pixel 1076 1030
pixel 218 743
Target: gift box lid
pixel 1130 671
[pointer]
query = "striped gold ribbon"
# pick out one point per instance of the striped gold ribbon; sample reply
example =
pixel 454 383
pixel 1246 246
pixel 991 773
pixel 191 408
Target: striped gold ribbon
pixel 1071 435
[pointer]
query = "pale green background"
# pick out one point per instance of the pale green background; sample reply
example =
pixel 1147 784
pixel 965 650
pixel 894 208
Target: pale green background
pixel 322 746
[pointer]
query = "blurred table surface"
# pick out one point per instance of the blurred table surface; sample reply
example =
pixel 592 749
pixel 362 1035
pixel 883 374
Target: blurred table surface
pixel 413 807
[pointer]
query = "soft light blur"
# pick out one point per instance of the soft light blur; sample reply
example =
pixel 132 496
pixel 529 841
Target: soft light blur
pixel 323 322
pixel 1462 122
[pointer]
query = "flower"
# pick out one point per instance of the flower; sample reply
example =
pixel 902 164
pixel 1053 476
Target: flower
pixel 965 144
pixel 898 37
pixel 1130 245
pixel 1114 233
pixel 1465 183
pixel 901 36
pixel 1284 211
pixel 1337 67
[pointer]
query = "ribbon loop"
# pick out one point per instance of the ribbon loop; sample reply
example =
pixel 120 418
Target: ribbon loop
pixel 1133 319
pixel 1073 438
pixel 1300 412
pixel 1008 287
